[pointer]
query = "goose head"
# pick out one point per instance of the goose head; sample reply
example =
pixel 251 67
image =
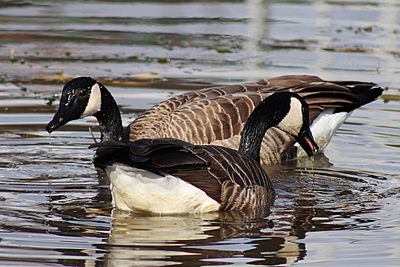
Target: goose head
pixel 81 97
pixel 284 110
pixel 296 123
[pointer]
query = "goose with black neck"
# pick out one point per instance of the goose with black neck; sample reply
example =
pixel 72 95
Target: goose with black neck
pixel 84 97
pixel 167 175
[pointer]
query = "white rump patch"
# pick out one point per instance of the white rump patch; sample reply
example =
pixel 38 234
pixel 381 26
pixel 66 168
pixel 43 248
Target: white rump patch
pixel 137 189
pixel 94 103
pixel 293 121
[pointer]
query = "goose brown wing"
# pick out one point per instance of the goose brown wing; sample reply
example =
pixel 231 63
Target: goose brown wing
pixel 232 179
pixel 209 115
pixel 206 167
pixel 242 183
pixel 198 117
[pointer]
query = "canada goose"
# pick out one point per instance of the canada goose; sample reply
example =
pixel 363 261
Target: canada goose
pixel 217 115
pixel 172 176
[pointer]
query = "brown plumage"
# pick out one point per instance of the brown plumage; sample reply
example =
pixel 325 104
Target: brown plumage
pixel 217 115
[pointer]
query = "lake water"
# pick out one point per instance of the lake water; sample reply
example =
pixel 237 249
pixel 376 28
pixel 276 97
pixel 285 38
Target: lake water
pixel 53 209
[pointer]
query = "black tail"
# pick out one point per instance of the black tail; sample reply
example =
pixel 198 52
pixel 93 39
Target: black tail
pixel 363 93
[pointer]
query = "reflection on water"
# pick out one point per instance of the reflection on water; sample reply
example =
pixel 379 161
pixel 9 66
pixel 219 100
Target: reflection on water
pixel 54 210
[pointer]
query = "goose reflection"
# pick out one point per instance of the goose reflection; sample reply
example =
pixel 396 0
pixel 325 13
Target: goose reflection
pixel 151 240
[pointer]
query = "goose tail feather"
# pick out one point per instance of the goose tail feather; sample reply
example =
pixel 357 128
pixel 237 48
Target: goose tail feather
pixel 364 93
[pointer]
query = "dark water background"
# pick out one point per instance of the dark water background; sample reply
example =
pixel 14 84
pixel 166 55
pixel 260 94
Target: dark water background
pixel 53 211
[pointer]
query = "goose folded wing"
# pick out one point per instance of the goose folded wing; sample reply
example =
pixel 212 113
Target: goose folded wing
pixel 219 166
pixel 206 167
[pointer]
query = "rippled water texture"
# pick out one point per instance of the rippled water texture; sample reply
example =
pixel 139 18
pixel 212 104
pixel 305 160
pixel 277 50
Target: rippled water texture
pixel 54 210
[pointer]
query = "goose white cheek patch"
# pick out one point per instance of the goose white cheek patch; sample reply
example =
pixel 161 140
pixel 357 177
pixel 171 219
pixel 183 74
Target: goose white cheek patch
pixel 293 121
pixel 94 103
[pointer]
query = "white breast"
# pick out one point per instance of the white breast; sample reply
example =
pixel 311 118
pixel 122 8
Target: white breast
pixel 137 189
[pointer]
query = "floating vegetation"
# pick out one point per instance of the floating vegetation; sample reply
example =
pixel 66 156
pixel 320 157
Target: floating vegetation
pixel 163 60
pixel 224 51
pixel 360 30
pixel 148 76
pixel 346 49
pixel 389 97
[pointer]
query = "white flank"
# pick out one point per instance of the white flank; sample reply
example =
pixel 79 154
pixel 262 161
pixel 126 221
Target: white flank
pixel 293 120
pixel 324 127
pixel 94 103
pixel 137 189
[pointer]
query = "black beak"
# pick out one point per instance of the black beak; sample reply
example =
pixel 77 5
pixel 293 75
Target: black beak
pixel 306 140
pixel 56 122
pixel 64 114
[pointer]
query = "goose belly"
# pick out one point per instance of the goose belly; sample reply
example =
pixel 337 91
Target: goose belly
pixel 138 189
pixel 324 127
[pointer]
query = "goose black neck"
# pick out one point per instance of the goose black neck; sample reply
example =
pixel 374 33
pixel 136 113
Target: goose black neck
pixel 267 114
pixel 109 117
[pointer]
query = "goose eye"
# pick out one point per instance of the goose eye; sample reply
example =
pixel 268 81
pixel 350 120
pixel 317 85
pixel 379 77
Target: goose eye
pixel 82 92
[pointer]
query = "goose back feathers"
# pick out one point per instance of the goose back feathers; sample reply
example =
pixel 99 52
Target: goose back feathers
pixel 217 115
